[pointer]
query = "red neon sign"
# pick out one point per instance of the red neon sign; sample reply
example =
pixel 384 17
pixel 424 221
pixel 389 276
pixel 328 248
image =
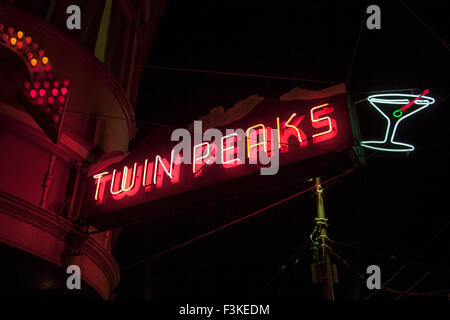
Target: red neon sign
pixel 122 181
pixel 295 130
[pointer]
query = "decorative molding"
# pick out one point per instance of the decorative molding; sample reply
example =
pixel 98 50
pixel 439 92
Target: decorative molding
pixel 58 229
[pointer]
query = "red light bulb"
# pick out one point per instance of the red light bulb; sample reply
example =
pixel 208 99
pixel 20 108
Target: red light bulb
pixel 56 84
pixel 33 93
pixel 55 92
pixel 28 40
pixel 55 118
pixel 19 45
pixel 27 84
pixel 61 99
pixel 10 30
pixel 36 84
pixel 47 67
pixel 64 91
pixel 46 84
pixel 42 92
pixel 51 100
pixel 66 83
pixel 40 101
pixel 5 37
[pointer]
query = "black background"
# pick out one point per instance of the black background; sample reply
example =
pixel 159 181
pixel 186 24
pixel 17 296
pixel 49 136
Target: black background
pixel 395 205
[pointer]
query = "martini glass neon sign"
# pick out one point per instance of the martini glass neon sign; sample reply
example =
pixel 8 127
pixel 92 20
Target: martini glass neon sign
pixel 395 108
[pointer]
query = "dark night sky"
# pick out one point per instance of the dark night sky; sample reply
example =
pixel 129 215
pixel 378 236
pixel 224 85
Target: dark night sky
pixel 393 205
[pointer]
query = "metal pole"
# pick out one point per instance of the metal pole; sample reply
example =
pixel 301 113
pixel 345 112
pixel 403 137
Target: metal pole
pixel 321 224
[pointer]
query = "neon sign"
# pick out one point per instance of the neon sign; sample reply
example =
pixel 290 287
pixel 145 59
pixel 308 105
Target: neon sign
pixel 387 105
pixel 44 97
pixel 274 132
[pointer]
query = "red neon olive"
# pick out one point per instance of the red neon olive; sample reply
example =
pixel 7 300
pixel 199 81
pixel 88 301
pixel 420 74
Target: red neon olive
pixel 33 93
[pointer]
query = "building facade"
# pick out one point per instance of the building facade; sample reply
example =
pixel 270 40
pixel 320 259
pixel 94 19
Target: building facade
pixel 67 102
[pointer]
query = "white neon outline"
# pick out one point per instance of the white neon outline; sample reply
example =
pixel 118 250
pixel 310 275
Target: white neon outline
pixel 99 178
pixel 112 183
pixel 279 133
pixel 124 181
pixel 375 98
pixel 144 177
pixel 203 157
pixel 125 175
pixel 321 119
pixel 229 148
pixel 257 136
pixel 169 173
pixel 294 127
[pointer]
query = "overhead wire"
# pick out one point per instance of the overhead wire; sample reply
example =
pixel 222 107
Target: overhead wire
pixel 349 73
pixel 403 267
pixel 443 42
pixel 232 223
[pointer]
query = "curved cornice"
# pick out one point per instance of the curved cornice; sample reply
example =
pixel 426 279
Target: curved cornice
pixel 57 227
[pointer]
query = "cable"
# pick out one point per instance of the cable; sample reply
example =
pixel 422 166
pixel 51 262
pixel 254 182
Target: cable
pixel 387 289
pixel 231 223
pixel 426 274
pixel 173 126
pixel 357 45
pixel 391 257
pixel 443 42
pixel 403 267
pixel 297 255
pixel 250 75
